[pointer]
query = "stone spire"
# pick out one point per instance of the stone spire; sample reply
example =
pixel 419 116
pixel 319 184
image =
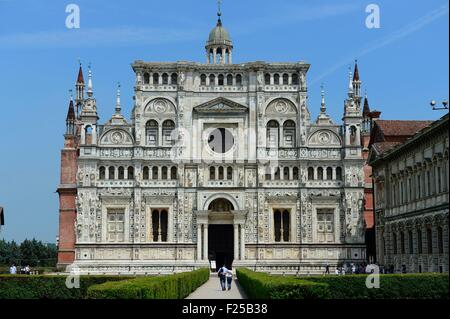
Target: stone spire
pixel 79 88
pixel 356 83
pixel 70 119
pixel 322 105
pixel 118 107
pixel 89 89
pixel 219 47
pixel 350 82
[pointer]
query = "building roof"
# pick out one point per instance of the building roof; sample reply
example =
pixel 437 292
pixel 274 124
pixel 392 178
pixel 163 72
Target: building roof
pixel 71 112
pixel 401 128
pixel 366 108
pixel 395 138
pixel 80 78
pixel 356 73
pixel 219 36
pixel 382 147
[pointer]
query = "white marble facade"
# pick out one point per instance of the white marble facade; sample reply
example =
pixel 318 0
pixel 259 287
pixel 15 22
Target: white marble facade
pixel 220 144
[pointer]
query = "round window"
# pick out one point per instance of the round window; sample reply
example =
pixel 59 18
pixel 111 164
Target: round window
pixel 220 140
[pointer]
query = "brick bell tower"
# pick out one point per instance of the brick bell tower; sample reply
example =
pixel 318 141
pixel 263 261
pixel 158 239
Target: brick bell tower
pixel 67 188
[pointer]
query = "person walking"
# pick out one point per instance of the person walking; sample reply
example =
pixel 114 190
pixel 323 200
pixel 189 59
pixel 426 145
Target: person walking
pixel 222 273
pixel 229 276
pixel 327 268
pixel 13 269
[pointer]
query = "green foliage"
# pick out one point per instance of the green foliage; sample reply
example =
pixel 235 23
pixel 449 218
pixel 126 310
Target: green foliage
pixel 395 286
pixel 47 287
pixel 30 252
pixel 263 286
pixel 401 286
pixel 176 286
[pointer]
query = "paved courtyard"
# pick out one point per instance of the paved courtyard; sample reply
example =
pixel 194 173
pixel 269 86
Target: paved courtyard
pixel 212 290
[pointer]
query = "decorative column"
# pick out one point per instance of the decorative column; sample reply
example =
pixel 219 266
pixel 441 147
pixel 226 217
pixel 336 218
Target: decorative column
pixel 215 56
pixel 236 241
pixel 242 242
pixel 199 241
pixel 205 241
pixel 230 57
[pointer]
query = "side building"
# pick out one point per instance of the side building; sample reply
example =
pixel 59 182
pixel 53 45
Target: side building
pixel 410 174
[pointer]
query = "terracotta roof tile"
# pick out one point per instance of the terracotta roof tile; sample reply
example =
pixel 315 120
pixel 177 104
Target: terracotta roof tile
pixel 401 128
pixel 356 73
pixel 80 78
pixel 383 147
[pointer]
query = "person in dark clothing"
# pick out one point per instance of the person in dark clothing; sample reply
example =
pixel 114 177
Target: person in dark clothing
pixel 222 276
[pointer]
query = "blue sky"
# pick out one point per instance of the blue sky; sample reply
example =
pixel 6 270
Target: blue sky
pixel 403 65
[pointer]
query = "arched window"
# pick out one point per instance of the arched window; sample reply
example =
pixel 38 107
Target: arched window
pixel 165 78
pixel 268 175
pixel 212 173
pixel 295 79
pixel 102 172
pixel 173 173
pixel 289 133
pixel 329 173
pixel 285 79
pixel 130 172
pixel 164 173
pixel 155 173
pixel 276 79
pixel 212 80
pixel 203 79
pixel 402 242
pixel 267 79
pixel 163 225
pixel 429 241
pixel 277 174
pixel 286 173
pixel 121 174
pixel 155 78
pixel 229 80
pixel 174 79
pixel 419 241
pixel 353 135
pixel 410 243
pixel 440 240
pixel 239 79
pixel 145 173
pixel 146 78
pixel 229 173
pixel 220 173
pixel 151 132
pixel 272 133
pixel 155 225
pixel 286 223
pixel 168 127
pixel 320 173
pixel 88 135
pixel 310 173
pixel 277 225
pixel 295 173
pixel 111 172
pixel 281 225
pixel 394 239
pixel 339 174
pixel 221 80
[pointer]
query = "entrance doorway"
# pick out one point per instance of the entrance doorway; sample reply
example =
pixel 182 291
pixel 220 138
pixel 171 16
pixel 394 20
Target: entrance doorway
pixel 220 245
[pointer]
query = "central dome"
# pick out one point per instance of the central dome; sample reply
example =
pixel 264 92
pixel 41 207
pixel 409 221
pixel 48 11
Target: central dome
pixel 219 36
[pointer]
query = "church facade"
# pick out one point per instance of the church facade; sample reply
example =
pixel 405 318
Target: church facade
pixel 220 162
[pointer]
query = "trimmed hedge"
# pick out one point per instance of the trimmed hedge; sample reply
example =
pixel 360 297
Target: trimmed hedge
pixel 263 286
pixel 392 286
pixel 407 286
pixel 48 287
pixel 176 286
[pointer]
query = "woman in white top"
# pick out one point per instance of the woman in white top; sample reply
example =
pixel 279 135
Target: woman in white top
pixel 229 276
